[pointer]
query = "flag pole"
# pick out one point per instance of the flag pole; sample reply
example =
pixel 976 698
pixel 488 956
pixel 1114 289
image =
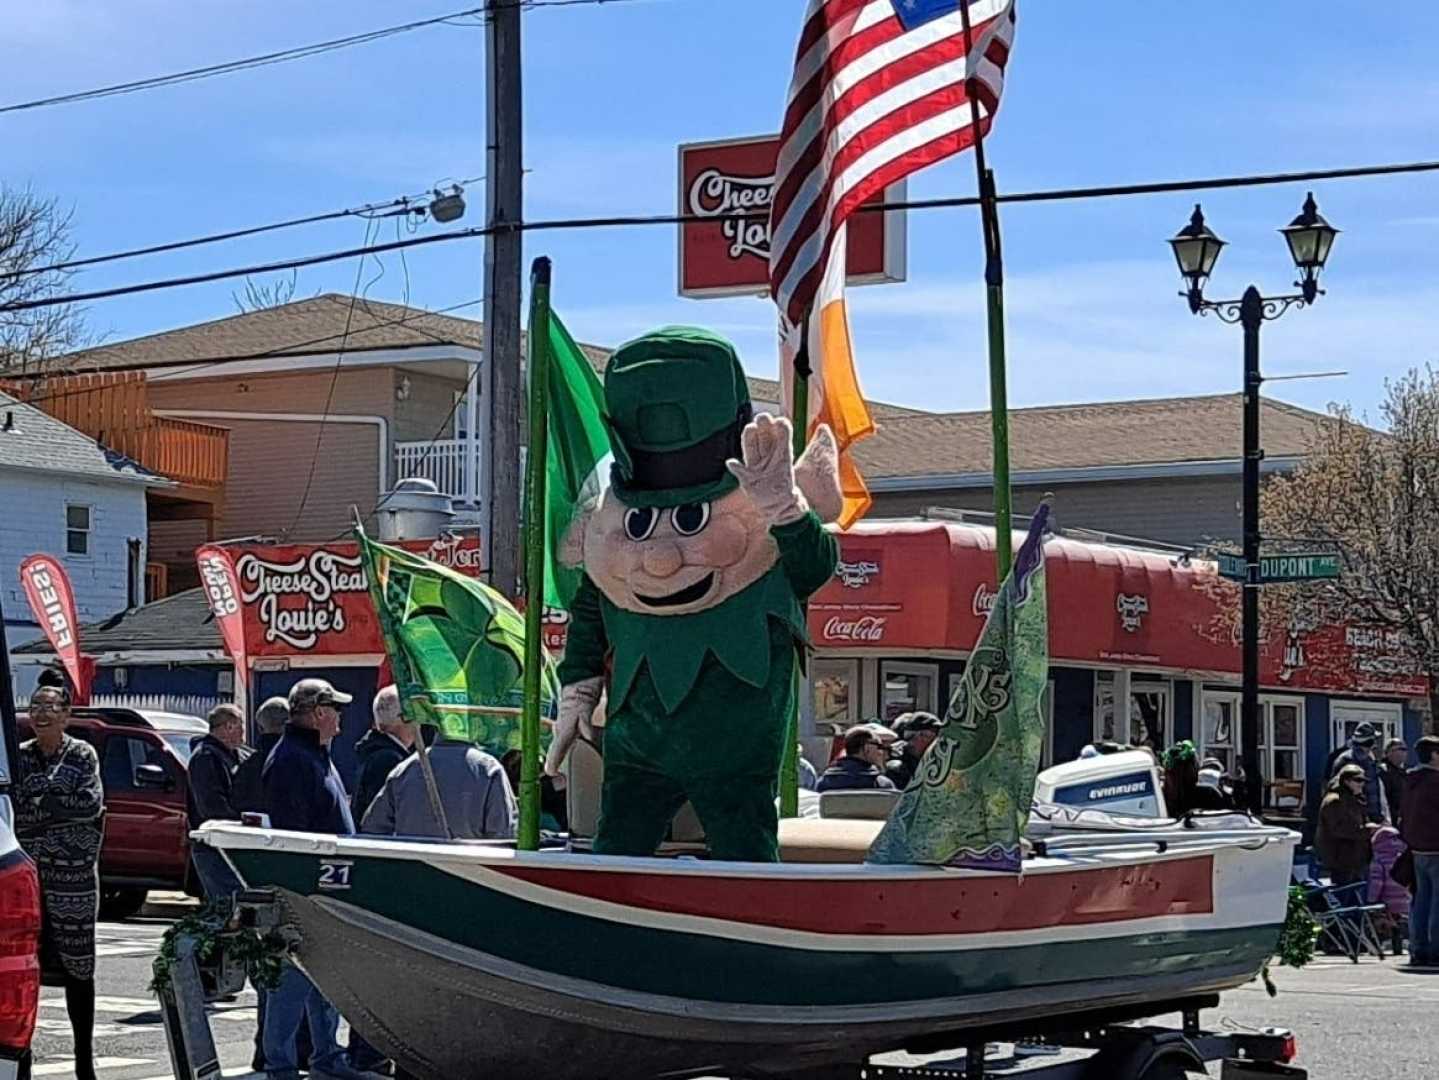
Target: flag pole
pixel 994 313
pixel 534 533
pixel 789 762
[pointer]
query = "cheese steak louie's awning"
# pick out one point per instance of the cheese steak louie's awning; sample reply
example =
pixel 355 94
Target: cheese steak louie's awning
pixel 917 586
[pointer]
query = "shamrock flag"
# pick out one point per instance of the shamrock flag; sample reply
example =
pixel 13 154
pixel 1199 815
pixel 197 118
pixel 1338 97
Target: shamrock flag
pixel 456 647
pixel 577 453
pixel 968 804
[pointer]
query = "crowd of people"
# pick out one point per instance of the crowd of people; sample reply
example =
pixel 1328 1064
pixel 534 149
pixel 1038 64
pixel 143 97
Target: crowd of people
pixel 1378 834
pixel 877 756
pixel 290 779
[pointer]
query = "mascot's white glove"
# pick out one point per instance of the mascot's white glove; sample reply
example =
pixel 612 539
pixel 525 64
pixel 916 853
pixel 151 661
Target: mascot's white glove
pixel 767 472
pixel 577 704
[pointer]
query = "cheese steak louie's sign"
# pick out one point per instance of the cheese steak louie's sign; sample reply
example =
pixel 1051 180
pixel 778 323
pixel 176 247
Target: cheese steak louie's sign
pixel 313 599
pixel 730 185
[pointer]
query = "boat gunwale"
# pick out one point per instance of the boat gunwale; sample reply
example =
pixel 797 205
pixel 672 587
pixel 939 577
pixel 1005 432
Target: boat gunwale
pixel 497 855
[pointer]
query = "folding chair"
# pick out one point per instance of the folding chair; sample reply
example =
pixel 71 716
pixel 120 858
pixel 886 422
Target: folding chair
pixel 1346 919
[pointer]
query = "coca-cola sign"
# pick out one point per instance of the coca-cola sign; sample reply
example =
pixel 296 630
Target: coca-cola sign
pixel 729 186
pixel 983 602
pixel 864 629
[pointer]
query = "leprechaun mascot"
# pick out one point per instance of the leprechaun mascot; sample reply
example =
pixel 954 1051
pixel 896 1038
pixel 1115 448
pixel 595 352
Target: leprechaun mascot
pixel 696 561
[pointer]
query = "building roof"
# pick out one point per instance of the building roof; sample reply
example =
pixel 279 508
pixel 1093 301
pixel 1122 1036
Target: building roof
pixel 318 326
pixel 1160 431
pixel 179 622
pixel 31 439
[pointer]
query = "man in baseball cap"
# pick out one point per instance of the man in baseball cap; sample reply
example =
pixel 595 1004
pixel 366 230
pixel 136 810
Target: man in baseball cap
pixel 920 729
pixel 303 792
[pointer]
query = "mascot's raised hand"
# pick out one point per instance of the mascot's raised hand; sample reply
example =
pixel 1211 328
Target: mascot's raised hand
pixel 766 474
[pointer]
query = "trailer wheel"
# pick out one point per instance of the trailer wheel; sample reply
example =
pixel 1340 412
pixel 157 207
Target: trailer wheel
pixel 1167 1069
pixel 120 902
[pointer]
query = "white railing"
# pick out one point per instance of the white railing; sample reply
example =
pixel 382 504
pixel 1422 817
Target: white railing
pixel 442 462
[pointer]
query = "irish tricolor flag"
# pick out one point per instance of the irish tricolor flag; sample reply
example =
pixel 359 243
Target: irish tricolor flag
pixel 577 457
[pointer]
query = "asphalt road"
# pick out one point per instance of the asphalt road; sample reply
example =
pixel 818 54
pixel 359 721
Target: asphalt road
pixel 1371 1021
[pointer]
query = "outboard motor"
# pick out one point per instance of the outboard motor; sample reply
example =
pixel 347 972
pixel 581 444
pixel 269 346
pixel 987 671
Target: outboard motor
pixel 1126 783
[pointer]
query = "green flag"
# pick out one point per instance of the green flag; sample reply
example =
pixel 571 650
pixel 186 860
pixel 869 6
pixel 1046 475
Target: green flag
pixel 456 647
pixel 577 456
pixel 968 804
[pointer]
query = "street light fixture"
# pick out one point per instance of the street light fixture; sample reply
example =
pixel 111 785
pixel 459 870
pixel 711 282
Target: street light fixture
pixel 1196 250
pixel 1310 240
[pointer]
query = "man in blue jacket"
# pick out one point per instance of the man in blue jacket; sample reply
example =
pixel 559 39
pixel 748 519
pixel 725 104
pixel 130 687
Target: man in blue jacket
pixel 303 792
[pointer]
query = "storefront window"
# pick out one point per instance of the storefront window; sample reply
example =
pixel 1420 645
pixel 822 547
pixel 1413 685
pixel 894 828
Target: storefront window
pixel 1344 717
pixel 1149 704
pixel 836 694
pixel 908 688
pixel 1281 743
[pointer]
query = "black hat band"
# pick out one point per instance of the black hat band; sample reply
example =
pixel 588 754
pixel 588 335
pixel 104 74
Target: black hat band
pixel 702 463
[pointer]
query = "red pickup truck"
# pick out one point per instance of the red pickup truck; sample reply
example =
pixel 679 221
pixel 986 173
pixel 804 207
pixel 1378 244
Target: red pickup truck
pixel 143 757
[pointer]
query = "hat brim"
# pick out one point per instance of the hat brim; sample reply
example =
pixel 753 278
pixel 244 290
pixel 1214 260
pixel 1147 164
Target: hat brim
pixel 338 698
pixel 668 497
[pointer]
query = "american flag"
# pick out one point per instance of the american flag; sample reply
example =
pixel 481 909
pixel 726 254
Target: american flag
pixel 879 92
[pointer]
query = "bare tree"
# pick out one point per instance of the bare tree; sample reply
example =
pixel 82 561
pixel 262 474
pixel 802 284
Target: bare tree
pixel 267 294
pixel 34 236
pixel 1376 495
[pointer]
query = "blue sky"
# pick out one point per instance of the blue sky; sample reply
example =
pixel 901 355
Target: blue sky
pixel 1124 90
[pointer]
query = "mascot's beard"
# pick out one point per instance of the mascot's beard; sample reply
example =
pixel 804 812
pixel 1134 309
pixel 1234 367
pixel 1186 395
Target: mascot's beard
pixel 668 574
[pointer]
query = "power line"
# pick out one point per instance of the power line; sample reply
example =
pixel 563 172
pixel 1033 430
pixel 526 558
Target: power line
pixel 299 52
pixel 394 206
pixel 556 224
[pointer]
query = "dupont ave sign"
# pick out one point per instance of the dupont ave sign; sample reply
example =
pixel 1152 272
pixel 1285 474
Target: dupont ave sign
pixel 730 185
pixel 1277 568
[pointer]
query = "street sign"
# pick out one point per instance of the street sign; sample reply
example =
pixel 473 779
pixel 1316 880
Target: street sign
pixel 1276 568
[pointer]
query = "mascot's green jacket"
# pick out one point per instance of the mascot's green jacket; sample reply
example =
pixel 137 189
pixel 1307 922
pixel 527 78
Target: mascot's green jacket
pixel 688 619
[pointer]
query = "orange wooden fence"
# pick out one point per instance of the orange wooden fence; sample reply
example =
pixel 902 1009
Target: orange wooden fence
pixel 114 410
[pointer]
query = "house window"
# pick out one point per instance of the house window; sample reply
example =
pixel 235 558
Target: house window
pixel 1281 742
pixel 1344 717
pixel 77 529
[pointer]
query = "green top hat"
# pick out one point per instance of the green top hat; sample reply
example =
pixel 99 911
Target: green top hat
pixel 676 401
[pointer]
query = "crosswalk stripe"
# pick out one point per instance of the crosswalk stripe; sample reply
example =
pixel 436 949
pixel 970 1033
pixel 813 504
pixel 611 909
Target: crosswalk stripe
pixel 56 1068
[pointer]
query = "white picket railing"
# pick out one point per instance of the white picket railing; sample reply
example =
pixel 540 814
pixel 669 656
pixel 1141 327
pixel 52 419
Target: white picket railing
pixel 187 704
pixel 441 461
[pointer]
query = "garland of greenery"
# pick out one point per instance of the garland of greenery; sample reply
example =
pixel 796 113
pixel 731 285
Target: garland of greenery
pixel 1298 938
pixel 261 954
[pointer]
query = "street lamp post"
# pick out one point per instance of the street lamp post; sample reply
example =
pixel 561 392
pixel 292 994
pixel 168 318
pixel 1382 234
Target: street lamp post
pixel 1196 250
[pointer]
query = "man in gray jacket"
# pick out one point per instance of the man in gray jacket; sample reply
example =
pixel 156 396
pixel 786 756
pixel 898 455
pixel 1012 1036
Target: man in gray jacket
pixel 474 791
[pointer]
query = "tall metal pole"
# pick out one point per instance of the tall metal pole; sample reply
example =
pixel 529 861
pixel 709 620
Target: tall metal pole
pixel 1251 318
pixel 994 314
pixel 789 761
pixel 503 270
pixel 539 374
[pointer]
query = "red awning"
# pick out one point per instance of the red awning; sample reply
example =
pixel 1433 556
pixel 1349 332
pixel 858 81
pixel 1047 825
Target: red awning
pixel 928 585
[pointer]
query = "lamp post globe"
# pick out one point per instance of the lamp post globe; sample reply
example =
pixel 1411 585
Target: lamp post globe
pixel 1310 239
pixel 1196 250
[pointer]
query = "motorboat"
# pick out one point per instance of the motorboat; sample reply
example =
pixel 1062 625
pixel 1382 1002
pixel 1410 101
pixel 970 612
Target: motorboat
pixel 475 959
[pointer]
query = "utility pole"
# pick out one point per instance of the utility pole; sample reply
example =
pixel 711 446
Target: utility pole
pixel 1251 318
pixel 500 466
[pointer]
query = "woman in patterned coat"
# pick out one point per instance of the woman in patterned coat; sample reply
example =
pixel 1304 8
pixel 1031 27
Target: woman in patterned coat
pixel 59 808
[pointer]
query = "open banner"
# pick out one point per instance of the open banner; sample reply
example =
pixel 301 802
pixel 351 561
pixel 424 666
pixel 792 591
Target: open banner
pixel 52 600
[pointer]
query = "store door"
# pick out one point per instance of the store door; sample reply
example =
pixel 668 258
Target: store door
pixel 361 682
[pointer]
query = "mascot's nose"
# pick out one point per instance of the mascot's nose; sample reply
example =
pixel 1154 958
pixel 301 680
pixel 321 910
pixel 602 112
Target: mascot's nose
pixel 662 559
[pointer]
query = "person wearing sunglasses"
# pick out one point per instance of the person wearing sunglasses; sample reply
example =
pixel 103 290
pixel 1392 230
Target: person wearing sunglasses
pixel 59 818
pixel 861 768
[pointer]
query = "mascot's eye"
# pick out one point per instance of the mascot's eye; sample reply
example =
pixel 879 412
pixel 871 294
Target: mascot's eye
pixel 640 522
pixel 690 518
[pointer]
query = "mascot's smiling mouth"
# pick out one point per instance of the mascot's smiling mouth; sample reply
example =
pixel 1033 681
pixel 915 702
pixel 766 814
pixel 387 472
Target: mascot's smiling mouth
pixel 688 595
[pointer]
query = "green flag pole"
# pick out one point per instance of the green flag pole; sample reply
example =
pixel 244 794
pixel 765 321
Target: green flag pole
pixel 539 371
pixel 994 312
pixel 789 763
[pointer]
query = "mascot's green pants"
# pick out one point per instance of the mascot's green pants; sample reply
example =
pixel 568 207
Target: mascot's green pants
pixel 698 707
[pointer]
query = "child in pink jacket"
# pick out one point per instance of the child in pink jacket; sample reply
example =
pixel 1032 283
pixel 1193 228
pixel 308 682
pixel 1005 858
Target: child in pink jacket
pixel 1383 889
